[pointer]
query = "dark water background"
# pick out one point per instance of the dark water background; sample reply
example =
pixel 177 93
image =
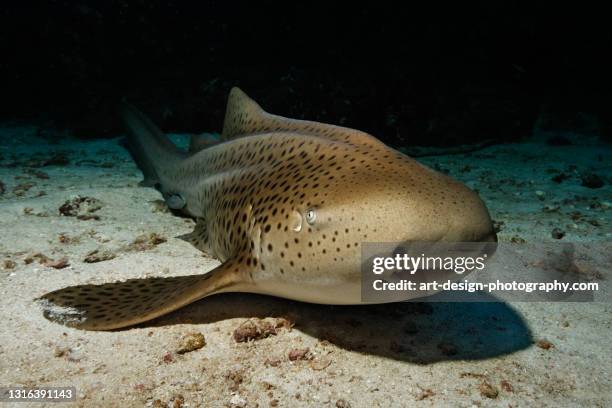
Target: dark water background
pixel 439 74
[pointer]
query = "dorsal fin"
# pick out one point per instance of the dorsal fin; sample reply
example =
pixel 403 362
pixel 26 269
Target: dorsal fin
pixel 244 116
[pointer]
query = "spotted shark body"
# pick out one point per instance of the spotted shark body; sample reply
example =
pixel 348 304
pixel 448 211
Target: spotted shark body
pixel 285 205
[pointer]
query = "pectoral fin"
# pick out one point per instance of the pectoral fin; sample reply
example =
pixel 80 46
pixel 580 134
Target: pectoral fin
pixel 199 237
pixel 115 305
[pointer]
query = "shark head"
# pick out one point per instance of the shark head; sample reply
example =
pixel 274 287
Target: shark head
pixel 370 195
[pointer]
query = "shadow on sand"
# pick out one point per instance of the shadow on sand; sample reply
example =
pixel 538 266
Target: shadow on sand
pixel 416 332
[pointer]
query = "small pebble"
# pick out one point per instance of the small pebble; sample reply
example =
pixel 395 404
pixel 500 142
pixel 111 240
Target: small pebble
pixel 299 354
pixel 98 256
pixel 190 342
pixel 65 239
pixel 167 358
pixel 58 264
pixel 257 329
pixel 9 264
pixel 61 351
pixel 146 241
pixel 487 390
pixel 81 207
pixel 544 344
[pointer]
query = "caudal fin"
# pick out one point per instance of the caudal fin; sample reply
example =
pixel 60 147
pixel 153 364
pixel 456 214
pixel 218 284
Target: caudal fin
pixel 151 149
pixel 120 304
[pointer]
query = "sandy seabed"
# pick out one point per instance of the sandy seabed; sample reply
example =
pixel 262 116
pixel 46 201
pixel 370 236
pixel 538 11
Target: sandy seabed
pixel 409 354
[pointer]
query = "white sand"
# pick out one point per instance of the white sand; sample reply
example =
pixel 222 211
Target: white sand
pixel 393 355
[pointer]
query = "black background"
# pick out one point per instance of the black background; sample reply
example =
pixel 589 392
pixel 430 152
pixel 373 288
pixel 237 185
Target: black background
pixel 440 74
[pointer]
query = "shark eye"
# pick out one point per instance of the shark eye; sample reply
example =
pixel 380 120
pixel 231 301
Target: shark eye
pixel 311 216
